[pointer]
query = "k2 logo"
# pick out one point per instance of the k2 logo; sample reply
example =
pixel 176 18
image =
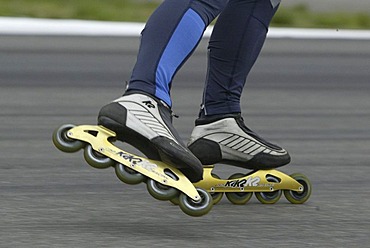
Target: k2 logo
pixel 133 160
pixel 149 104
pixel 249 182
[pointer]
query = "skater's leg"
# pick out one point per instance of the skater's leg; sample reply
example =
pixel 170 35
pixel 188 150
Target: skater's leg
pixel 220 134
pixel 142 117
pixel 169 38
pixel 235 44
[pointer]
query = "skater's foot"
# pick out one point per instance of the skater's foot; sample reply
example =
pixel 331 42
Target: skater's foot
pixel 226 139
pixel 145 122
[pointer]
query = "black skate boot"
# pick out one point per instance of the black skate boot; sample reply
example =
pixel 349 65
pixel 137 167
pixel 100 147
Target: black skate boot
pixel 226 139
pixel 146 123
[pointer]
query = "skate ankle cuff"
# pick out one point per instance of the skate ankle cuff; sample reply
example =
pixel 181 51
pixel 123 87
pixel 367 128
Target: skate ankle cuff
pixel 212 118
pixel 158 100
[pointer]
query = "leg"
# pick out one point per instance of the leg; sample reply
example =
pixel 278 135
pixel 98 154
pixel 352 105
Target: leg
pixel 142 117
pixel 235 44
pixel 220 134
pixel 169 38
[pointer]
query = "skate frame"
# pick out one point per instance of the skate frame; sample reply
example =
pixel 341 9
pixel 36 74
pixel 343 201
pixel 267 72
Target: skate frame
pixel 255 181
pixel 99 138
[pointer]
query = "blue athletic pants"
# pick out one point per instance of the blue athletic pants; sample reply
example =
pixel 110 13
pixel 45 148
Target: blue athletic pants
pixel 175 29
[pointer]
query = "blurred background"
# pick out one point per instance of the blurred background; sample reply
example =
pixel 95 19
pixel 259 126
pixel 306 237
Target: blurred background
pixel 309 95
pixel 354 14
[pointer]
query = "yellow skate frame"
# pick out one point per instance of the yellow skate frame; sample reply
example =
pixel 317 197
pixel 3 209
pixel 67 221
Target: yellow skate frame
pixel 98 137
pixel 253 182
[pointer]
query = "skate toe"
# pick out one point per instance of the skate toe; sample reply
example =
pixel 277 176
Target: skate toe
pixel 179 157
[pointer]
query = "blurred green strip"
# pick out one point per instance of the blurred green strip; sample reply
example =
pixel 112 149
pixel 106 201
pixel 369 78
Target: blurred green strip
pixel 140 10
pixel 107 10
pixel 301 16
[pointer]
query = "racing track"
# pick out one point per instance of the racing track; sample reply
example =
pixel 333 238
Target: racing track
pixel 309 96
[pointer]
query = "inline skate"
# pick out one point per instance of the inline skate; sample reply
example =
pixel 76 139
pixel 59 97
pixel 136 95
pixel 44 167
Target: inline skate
pixel 163 181
pixel 226 139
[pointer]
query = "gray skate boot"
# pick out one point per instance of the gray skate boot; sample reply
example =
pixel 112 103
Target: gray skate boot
pixel 146 123
pixel 226 139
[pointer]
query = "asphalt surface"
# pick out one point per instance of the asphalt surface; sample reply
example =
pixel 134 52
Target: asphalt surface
pixel 309 96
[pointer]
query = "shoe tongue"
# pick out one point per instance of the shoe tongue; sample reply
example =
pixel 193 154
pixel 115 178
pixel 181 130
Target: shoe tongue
pixel 240 121
pixel 165 104
pixel 239 118
pixel 165 111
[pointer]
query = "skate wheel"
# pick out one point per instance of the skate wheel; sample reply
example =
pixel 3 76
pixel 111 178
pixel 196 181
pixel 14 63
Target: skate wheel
pixel 216 196
pixel 175 201
pixel 128 175
pixel 269 197
pixel 96 159
pixel 238 198
pixel 160 191
pixel 196 208
pixel 296 197
pixel 63 142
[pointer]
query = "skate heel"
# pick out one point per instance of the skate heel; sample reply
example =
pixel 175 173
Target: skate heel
pixel 163 181
pixel 267 185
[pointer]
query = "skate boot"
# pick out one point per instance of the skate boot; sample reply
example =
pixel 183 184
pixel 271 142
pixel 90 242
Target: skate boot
pixel 226 139
pixel 146 123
